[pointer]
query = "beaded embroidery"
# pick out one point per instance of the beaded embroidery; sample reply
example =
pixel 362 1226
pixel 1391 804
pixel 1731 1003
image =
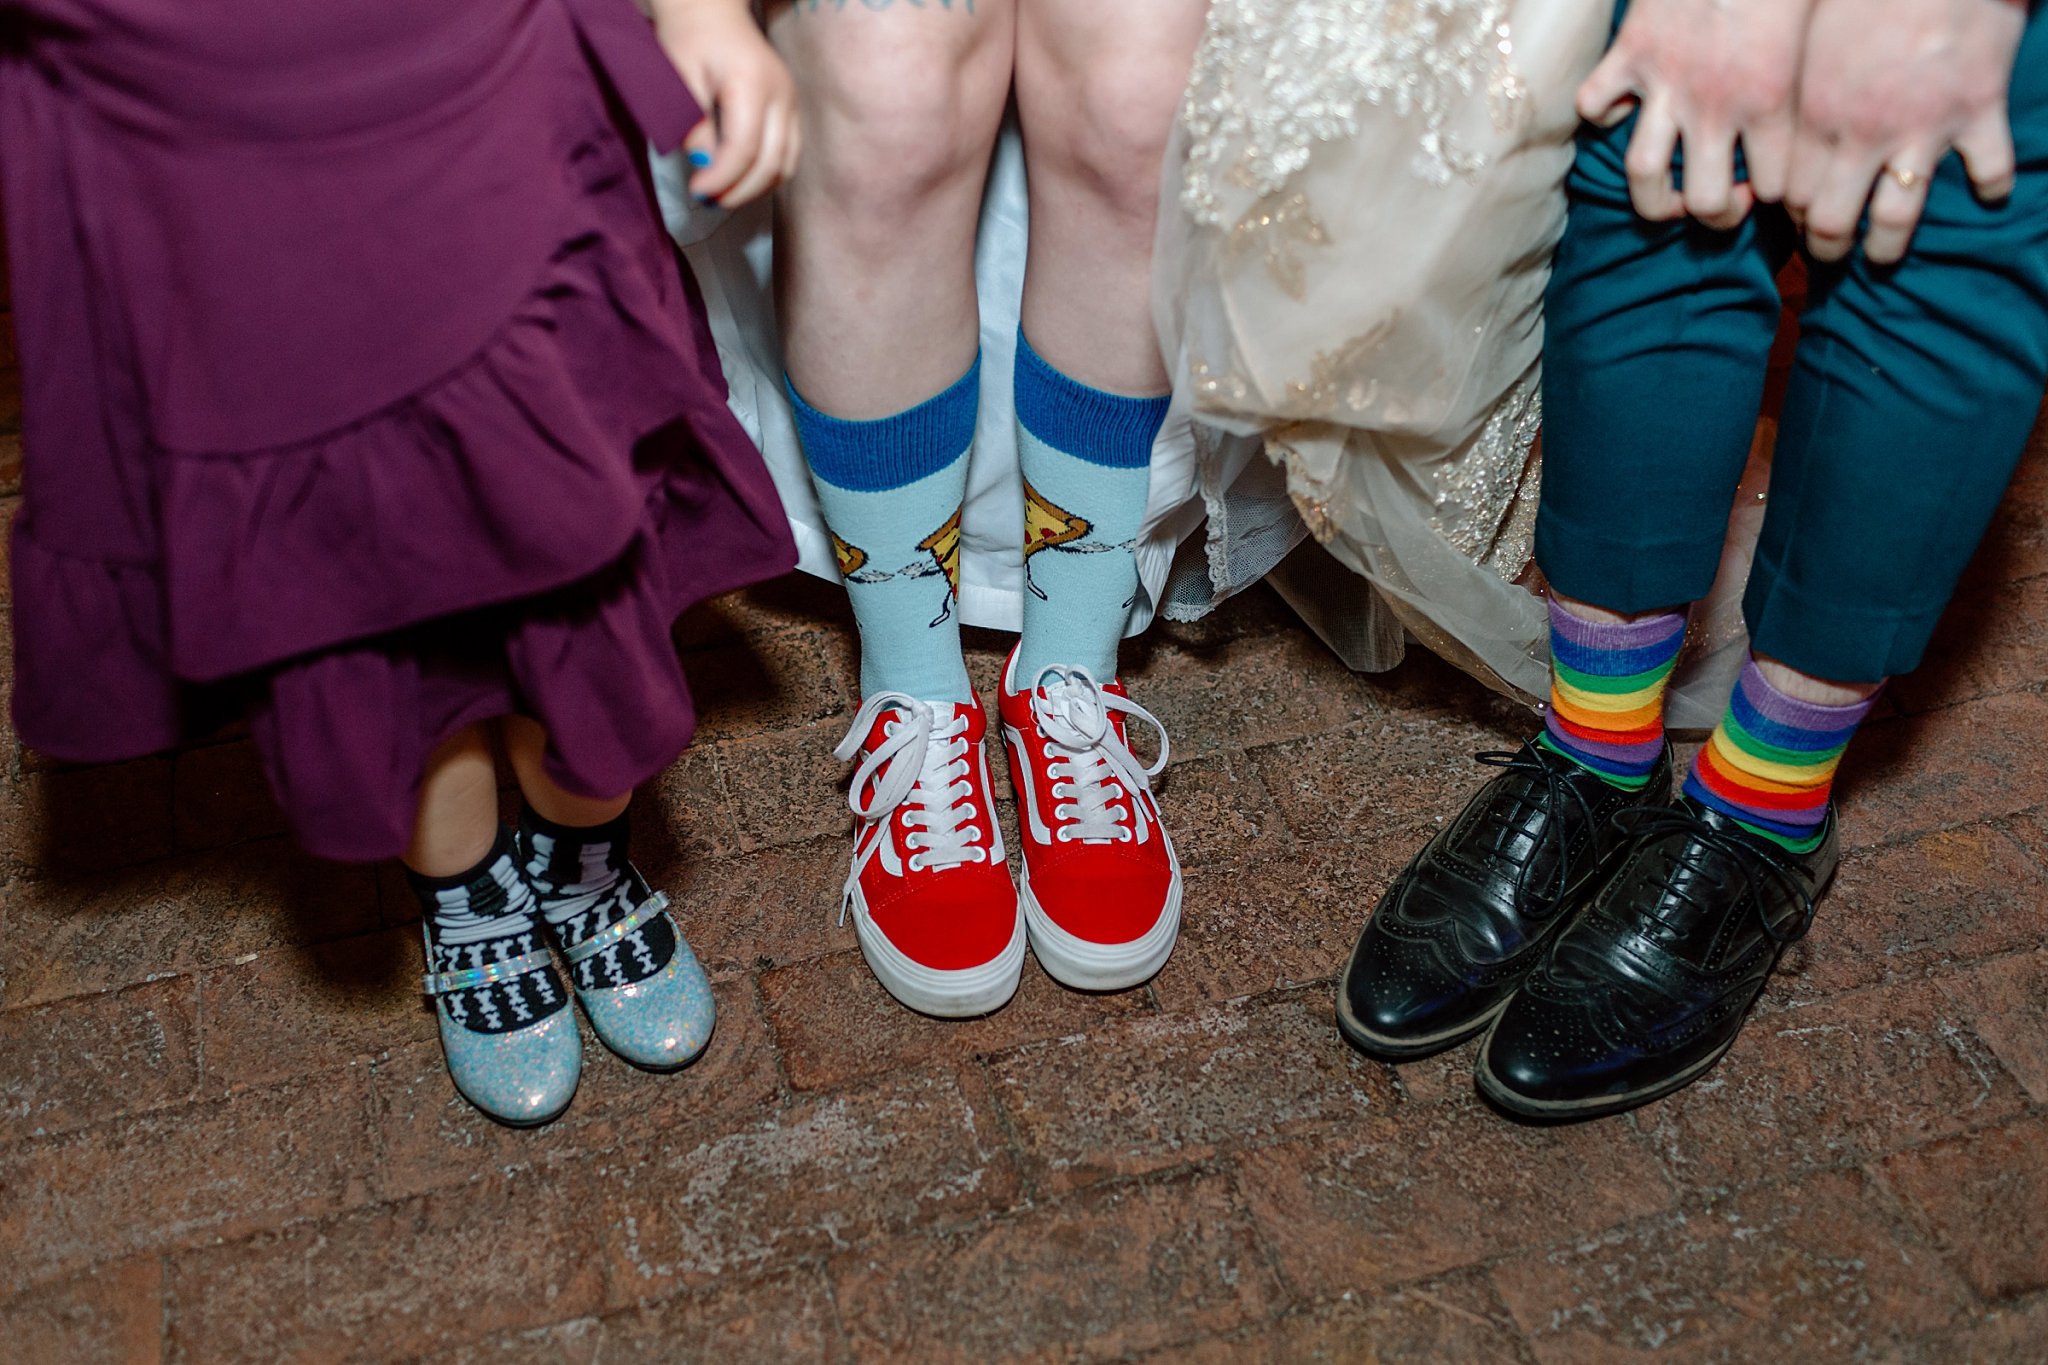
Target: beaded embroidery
pixel 1273 78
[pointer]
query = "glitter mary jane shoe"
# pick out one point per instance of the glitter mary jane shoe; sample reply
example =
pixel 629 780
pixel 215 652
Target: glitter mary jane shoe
pixel 506 1029
pixel 641 987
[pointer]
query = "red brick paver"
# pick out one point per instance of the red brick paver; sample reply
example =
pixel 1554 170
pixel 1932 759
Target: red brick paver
pixel 1981 1196
pixel 1819 1269
pixel 226 1132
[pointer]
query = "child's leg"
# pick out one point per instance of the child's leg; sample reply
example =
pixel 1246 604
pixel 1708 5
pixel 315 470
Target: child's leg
pixel 643 989
pixel 525 746
pixel 511 1044
pixel 458 817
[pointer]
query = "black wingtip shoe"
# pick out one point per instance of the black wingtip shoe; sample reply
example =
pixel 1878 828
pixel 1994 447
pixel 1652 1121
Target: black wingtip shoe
pixel 1469 916
pixel 1649 986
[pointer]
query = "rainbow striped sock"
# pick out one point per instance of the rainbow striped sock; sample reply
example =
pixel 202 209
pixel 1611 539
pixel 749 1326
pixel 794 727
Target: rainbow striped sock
pixel 1770 763
pixel 1607 692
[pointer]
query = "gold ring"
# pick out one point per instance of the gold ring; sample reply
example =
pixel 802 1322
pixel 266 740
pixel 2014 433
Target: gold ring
pixel 1908 180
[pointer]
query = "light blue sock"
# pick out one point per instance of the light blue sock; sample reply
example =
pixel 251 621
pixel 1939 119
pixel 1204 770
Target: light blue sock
pixel 1087 458
pixel 891 491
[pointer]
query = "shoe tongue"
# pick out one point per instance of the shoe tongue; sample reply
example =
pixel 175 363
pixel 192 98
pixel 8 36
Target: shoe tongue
pixel 1074 715
pixel 948 743
pixel 1727 826
pixel 942 716
pixel 1507 805
pixel 1677 913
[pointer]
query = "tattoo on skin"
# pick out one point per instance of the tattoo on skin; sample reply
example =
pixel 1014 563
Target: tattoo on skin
pixel 813 6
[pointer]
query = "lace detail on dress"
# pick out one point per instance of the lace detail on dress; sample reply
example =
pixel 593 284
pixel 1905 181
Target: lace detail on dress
pixel 1477 498
pixel 1273 78
pixel 1312 493
pixel 1367 193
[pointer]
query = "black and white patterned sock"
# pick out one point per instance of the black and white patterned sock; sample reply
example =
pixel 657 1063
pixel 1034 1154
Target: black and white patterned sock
pixel 585 882
pixel 486 915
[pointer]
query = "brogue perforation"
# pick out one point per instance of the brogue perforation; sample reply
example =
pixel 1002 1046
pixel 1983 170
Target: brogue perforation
pixel 1462 926
pixel 1651 983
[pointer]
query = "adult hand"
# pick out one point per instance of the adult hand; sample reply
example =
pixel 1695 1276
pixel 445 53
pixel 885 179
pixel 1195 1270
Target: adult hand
pixel 1707 73
pixel 1887 88
pixel 748 142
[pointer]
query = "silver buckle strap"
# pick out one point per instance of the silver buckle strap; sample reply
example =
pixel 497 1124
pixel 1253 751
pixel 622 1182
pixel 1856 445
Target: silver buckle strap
pixel 617 930
pixel 443 983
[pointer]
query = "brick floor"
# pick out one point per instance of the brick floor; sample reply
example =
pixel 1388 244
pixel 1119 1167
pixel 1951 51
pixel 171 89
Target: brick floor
pixel 225 1131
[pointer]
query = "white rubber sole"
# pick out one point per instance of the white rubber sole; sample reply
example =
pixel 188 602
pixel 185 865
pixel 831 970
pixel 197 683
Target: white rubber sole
pixel 1081 965
pixel 960 994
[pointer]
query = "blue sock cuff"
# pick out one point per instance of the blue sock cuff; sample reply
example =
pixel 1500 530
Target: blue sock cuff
pixel 890 452
pixel 1101 428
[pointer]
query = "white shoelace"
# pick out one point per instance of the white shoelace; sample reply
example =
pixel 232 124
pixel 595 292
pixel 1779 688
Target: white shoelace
pixel 1094 772
pixel 919 763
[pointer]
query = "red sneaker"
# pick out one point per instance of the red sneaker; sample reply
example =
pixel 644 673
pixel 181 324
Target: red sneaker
pixel 1101 887
pixel 933 905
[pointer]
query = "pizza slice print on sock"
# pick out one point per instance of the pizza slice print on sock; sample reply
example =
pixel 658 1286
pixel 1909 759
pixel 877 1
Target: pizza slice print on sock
pixel 943 545
pixel 1047 526
pixel 851 557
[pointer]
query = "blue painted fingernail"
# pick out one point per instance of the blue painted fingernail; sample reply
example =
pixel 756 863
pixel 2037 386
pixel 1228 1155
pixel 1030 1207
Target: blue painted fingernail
pixel 700 159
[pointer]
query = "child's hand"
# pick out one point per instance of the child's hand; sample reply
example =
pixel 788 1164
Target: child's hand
pixel 747 144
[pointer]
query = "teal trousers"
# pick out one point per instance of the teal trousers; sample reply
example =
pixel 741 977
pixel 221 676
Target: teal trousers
pixel 1913 390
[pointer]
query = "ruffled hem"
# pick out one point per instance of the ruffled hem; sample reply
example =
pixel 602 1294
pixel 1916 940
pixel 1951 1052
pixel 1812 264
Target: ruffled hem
pixel 515 474
pixel 520 536
pixel 345 734
pixel 92 682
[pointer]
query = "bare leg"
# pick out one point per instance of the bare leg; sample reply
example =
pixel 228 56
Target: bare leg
pixel 511 1049
pixel 874 252
pixel 1097 89
pixel 458 817
pixel 526 744
pixel 874 260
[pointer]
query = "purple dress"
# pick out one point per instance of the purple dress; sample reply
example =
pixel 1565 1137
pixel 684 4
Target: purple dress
pixel 363 393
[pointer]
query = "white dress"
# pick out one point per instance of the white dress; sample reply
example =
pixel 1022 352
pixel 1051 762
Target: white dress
pixel 1361 201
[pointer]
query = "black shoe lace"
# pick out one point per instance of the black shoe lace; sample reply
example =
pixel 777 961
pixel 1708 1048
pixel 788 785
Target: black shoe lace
pixel 1752 861
pixel 1556 787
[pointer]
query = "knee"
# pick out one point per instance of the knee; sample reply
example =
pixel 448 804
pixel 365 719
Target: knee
pixel 889 139
pixel 1103 136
